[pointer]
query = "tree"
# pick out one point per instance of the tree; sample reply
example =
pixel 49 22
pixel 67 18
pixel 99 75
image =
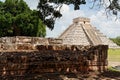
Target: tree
pixel 17 19
pixel 116 40
pixel 48 12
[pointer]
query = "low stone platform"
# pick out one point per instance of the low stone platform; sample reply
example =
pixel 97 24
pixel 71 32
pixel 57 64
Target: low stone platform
pixel 24 58
pixel 52 58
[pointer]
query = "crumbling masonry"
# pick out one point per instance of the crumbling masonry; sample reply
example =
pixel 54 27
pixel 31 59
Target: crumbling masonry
pixel 26 57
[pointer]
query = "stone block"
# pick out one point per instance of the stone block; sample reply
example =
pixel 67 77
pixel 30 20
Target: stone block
pixel 8 46
pixel 40 41
pixel 55 41
pixel 24 47
pixel 22 39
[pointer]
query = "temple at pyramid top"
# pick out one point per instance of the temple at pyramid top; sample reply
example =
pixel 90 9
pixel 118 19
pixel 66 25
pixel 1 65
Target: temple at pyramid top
pixel 81 32
pixel 81 20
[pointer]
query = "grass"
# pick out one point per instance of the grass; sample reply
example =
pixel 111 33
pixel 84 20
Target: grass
pixel 114 55
pixel 113 69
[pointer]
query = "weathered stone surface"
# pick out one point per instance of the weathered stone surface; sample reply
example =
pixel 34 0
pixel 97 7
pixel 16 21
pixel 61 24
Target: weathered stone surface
pixel 40 41
pixel 81 32
pixel 53 58
pixel 24 47
pixel 55 41
pixel 25 43
pixel 24 56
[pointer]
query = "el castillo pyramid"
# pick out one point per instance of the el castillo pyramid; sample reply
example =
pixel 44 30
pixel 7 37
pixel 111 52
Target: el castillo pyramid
pixel 81 32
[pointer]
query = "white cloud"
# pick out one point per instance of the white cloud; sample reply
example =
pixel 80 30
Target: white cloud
pixel 2 0
pixel 64 22
pixel 108 26
pixel 64 9
pixel 32 3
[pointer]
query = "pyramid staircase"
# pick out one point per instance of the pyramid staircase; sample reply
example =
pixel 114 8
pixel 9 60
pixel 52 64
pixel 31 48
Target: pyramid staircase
pixel 81 32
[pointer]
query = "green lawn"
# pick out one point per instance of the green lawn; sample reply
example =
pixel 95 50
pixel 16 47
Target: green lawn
pixel 114 55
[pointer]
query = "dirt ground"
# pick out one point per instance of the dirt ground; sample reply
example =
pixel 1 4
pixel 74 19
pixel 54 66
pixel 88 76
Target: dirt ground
pixel 80 76
pixel 108 75
pixel 113 64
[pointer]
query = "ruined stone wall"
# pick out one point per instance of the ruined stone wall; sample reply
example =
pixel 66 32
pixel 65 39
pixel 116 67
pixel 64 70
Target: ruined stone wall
pixel 27 57
pixel 20 65
pixel 25 43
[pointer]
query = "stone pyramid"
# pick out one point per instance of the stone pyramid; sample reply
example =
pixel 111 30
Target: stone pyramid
pixel 81 32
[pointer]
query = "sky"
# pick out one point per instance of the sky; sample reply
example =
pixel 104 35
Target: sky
pixel 109 26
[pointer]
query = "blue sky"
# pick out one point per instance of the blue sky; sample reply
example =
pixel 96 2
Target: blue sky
pixel 107 25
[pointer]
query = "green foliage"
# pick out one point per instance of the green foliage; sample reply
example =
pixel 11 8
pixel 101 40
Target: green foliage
pixel 116 40
pixel 17 19
pixel 49 13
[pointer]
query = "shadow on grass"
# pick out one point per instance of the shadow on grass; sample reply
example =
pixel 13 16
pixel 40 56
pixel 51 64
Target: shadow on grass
pixel 111 74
